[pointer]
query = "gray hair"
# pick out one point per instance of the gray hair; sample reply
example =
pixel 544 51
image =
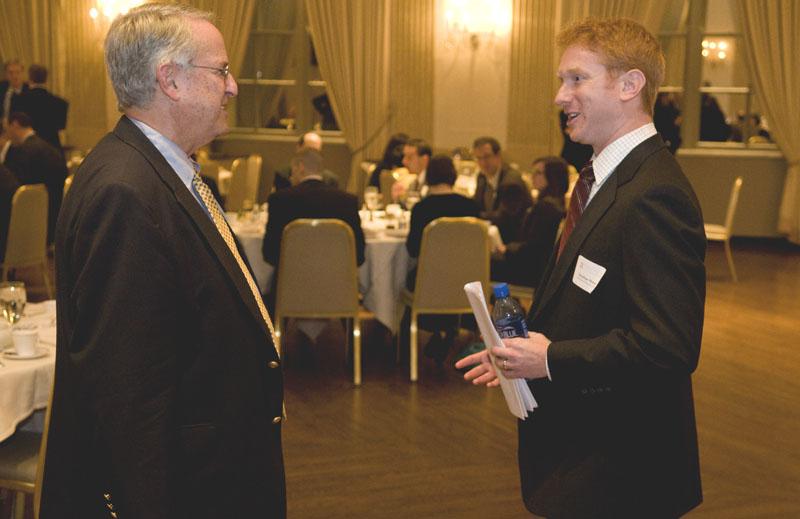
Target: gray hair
pixel 143 39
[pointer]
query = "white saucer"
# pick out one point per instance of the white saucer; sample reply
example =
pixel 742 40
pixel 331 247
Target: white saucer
pixel 41 351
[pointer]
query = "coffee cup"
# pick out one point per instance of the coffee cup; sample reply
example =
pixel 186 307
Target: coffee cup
pixel 25 341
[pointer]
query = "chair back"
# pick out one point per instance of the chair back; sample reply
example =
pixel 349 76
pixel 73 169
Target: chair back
pixel 453 252
pixel 317 273
pixel 387 180
pixel 733 201
pixel 27 228
pixel 68 183
pixel 246 173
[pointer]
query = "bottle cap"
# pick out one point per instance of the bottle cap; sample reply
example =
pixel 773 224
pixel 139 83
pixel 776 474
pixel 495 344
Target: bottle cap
pixel 500 290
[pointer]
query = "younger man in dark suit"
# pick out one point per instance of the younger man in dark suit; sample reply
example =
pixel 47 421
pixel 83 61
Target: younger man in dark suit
pixel 618 317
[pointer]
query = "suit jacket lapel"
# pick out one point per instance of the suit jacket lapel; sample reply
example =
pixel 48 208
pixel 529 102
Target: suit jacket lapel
pixel 599 205
pixel 129 133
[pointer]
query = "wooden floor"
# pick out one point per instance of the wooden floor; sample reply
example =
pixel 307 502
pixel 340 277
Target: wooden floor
pixel 441 448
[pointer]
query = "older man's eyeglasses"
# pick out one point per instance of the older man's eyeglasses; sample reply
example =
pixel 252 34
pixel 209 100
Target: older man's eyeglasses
pixel 224 71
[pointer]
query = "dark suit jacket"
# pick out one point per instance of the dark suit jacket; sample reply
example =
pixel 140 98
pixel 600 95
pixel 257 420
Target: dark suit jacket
pixel 168 390
pixel 35 161
pixel 507 176
pixel 48 112
pixel 614 434
pixel 16 99
pixel 309 199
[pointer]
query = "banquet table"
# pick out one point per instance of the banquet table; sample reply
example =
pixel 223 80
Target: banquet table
pixel 25 384
pixel 381 277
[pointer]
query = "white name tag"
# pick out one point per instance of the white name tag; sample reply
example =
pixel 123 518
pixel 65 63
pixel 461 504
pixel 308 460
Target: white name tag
pixel 587 274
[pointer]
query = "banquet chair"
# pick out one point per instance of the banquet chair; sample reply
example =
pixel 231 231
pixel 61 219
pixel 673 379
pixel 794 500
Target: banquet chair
pixel 246 174
pixel 453 252
pixel 716 232
pixel 27 232
pixel 387 180
pixel 68 183
pixel 318 278
pixel 22 458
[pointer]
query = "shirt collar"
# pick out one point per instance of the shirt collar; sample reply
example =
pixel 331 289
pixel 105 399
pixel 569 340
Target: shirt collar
pixel 608 160
pixel 183 166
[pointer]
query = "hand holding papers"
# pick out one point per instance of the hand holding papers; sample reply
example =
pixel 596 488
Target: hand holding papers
pixel 517 393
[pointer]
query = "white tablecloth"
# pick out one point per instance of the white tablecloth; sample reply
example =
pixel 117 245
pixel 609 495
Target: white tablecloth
pixel 25 384
pixel 381 277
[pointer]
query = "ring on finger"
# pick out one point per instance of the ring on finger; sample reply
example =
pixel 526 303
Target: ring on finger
pixel 505 365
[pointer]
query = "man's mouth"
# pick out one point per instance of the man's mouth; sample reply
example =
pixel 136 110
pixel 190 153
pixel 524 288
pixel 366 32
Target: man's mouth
pixel 571 116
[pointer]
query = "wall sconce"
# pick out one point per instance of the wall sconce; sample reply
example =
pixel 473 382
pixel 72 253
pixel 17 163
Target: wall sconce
pixel 110 9
pixel 476 20
pixel 716 51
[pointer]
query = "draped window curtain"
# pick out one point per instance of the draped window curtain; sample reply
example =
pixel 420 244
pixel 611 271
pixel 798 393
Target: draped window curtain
pixel 26 34
pixel 648 14
pixel 234 20
pixel 772 45
pixel 533 129
pixel 351 39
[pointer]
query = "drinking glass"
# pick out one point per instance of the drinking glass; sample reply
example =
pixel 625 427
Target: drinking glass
pixel 371 199
pixel 12 300
pixel 412 197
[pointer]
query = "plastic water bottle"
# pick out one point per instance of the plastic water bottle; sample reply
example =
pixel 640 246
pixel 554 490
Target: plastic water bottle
pixel 508 317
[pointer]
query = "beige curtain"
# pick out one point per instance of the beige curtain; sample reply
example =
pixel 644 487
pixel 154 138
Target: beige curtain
pixel 648 14
pixel 26 33
pixel 411 86
pixel 351 41
pixel 234 20
pixel 532 117
pixel 771 33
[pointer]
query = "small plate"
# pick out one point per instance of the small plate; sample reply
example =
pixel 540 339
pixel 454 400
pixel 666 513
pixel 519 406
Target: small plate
pixel 41 351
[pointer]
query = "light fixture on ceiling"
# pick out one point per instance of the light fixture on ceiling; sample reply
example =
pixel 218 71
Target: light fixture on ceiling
pixel 476 21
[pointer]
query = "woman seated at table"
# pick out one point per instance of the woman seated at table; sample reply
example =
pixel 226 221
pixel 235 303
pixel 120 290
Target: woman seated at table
pixel 441 201
pixel 523 262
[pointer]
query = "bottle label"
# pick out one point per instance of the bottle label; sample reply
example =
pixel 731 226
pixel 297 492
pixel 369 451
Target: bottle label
pixel 508 328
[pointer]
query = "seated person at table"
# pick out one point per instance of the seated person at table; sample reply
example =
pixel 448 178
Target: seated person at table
pixel 515 200
pixel 523 262
pixel 392 158
pixel 494 173
pixel 309 197
pixel 416 156
pixel 441 201
pixel 312 141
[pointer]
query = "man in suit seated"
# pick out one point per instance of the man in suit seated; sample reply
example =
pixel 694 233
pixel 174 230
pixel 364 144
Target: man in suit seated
pixel 35 161
pixel 47 111
pixel 312 141
pixel 309 197
pixel 493 175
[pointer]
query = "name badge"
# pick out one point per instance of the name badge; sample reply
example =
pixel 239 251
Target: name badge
pixel 587 274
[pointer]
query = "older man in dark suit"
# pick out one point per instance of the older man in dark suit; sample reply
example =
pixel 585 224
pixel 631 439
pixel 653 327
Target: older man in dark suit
pixel 35 161
pixel 309 197
pixel 168 395
pixel 618 317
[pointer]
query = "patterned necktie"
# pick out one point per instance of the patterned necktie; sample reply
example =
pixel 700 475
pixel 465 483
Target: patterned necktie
pixel 222 226
pixel 577 203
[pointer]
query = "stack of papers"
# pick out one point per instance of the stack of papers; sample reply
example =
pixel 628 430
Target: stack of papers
pixel 518 395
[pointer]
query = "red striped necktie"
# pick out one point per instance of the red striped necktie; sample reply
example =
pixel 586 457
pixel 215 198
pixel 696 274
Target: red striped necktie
pixel 577 203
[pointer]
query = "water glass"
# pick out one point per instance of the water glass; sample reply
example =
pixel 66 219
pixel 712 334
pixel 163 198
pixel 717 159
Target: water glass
pixel 12 300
